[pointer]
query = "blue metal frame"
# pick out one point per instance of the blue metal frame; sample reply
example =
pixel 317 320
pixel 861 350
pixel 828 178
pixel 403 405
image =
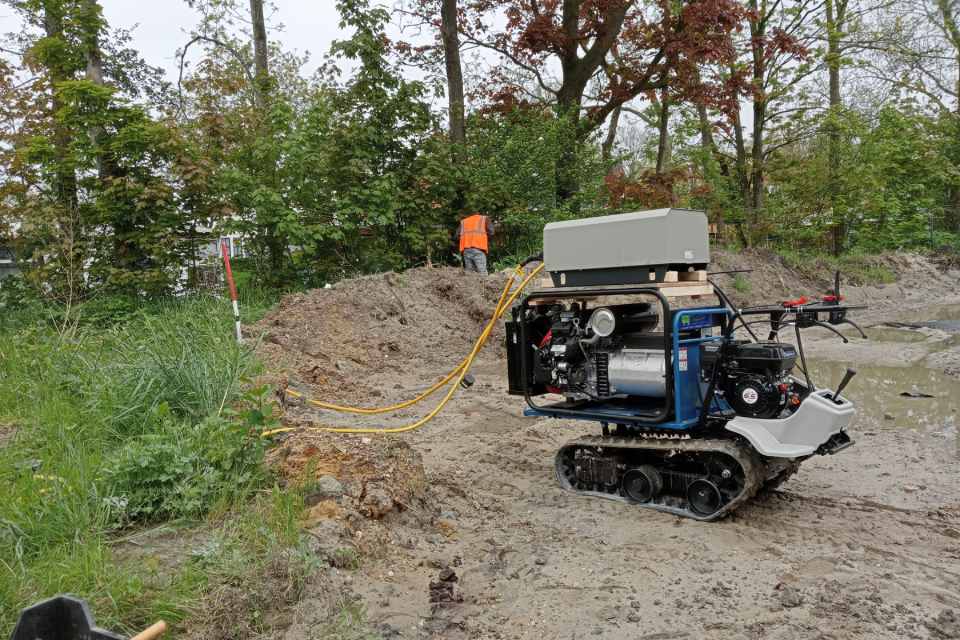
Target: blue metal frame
pixel 681 421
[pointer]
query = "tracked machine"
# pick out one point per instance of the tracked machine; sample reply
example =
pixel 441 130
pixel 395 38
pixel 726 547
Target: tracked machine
pixel 701 406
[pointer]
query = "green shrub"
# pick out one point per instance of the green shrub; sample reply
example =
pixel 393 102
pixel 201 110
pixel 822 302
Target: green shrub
pixel 182 471
pixel 108 310
pixel 121 422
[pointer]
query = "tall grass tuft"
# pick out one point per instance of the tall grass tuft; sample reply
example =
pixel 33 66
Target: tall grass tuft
pixel 97 413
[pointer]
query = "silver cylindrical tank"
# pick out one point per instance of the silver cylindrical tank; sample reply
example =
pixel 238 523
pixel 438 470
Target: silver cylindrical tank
pixel 638 372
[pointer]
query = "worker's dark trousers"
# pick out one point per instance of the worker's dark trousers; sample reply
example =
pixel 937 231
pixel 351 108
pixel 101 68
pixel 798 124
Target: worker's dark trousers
pixel 475 260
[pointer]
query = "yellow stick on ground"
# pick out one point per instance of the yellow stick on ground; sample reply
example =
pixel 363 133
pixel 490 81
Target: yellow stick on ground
pixel 152 632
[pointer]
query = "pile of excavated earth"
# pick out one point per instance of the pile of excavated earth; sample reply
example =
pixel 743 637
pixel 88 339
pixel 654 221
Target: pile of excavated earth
pixel 459 529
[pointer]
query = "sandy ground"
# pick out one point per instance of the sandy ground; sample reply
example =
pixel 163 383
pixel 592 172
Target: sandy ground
pixel 865 544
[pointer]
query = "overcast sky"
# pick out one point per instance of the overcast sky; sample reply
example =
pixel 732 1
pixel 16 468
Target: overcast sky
pixel 159 27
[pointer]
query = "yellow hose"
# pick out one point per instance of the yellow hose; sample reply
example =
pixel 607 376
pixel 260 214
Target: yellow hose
pixel 403 405
pixel 462 371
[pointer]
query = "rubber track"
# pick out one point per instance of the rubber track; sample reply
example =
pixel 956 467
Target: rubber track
pixel 755 472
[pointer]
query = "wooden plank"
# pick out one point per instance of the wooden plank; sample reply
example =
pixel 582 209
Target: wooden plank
pixel 694 276
pixel 701 289
pixel 547 285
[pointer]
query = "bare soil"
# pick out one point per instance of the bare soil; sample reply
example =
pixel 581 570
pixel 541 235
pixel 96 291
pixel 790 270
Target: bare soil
pixel 461 530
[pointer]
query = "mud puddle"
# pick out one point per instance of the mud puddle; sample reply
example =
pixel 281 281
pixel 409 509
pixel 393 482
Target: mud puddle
pixel 889 333
pixel 898 383
pixel 943 317
pixel 878 393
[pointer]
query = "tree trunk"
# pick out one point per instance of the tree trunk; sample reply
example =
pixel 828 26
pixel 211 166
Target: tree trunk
pixel 740 146
pixel 92 24
pixel 64 183
pixel 756 194
pixel 261 67
pixel 611 137
pixel 757 159
pixel 65 176
pixel 276 248
pixel 740 169
pixel 576 72
pixel 707 143
pixel 127 253
pixel 835 12
pixel 567 180
pixel 663 143
pixel 451 53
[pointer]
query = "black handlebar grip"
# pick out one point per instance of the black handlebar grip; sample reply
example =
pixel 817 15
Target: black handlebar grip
pixel 847 377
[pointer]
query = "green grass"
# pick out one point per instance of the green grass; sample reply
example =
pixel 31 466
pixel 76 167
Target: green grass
pixel 741 284
pixel 124 424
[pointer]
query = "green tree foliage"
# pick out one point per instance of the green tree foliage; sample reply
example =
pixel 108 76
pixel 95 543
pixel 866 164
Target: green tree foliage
pixel 94 203
pixel 510 172
pixel 115 182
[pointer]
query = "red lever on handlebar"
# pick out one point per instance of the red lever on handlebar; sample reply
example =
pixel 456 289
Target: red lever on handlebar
pixel 799 302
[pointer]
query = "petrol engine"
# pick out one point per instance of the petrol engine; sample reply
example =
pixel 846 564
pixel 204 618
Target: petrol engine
pixel 615 352
pixel 599 354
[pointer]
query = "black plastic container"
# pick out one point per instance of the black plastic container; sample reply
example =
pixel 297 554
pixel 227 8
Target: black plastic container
pixel 60 618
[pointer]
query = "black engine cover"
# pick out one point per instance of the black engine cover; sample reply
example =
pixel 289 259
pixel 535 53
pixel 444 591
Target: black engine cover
pixel 771 357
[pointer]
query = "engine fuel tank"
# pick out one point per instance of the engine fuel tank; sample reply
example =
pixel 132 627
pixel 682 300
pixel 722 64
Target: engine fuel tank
pixel 638 372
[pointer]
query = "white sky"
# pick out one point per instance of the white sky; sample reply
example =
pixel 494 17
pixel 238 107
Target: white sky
pixel 159 27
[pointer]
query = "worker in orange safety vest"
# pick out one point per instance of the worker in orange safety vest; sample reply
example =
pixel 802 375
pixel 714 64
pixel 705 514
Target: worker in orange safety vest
pixel 474 234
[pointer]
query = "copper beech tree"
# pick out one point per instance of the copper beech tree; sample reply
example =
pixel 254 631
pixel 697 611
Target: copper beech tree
pixel 590 57
pixel 585 58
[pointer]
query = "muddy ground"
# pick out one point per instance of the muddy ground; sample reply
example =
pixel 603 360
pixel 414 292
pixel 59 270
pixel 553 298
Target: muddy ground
pixel 466 511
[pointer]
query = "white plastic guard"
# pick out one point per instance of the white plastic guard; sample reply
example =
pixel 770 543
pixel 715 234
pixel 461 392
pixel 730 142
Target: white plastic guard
pixel 802 433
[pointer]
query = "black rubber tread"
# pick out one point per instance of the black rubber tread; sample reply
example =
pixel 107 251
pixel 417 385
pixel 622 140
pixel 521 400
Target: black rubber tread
pixel 755 471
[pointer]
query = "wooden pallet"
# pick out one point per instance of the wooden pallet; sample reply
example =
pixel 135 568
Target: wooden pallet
pixel 690 275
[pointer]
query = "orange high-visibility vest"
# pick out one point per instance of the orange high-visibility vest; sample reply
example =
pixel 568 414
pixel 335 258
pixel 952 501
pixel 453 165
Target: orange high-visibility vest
pixel 473 233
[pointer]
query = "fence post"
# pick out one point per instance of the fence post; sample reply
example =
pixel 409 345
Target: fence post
pixel 233 287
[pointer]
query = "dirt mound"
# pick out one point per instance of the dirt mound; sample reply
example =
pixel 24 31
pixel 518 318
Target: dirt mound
pixel 347 476
pixel 360 340
pixel 919 281
pixel 346 340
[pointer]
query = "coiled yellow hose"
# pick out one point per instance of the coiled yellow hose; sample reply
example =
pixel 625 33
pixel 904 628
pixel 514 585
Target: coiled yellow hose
pixel 459 372
pixel 407 403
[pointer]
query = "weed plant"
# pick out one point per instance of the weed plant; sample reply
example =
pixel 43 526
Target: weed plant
pixel 118 425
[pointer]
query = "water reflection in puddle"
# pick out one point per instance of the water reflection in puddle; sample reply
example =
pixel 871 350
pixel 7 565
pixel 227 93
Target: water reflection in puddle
pixel 893 334
pixel 876 392
pixel 944 317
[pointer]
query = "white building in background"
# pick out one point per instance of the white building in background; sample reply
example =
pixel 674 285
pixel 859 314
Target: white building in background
pixel 236 245
pixel 208 270
pixel 8 262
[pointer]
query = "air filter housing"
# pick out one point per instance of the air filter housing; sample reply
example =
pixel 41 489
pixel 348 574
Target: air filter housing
pixel 626 248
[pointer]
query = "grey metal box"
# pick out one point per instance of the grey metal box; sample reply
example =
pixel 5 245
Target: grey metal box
pixel 624 248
